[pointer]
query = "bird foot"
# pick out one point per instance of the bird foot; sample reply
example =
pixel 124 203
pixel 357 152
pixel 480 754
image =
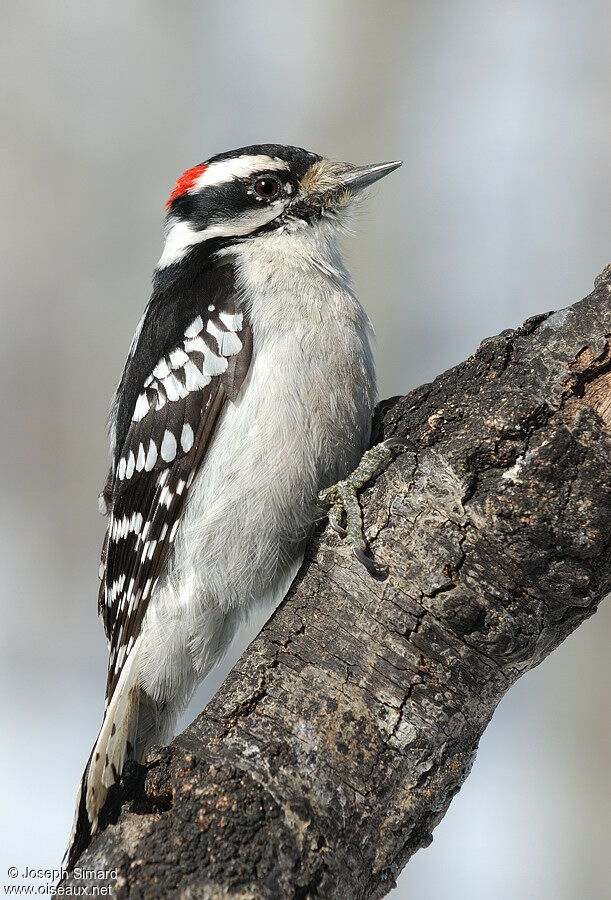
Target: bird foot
pixel 343 504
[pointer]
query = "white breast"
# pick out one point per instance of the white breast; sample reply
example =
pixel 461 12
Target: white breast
pixel 300 423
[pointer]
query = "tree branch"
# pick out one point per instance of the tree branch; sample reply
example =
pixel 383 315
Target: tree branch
pixel 338 741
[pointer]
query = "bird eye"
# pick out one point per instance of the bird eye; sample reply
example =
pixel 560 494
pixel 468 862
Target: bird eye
pixel 267 187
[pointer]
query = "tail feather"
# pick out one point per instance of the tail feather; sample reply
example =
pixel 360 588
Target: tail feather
pixel 116 741
pixel 80 836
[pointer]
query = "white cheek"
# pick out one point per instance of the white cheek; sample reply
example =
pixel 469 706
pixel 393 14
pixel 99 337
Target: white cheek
pixel 180 237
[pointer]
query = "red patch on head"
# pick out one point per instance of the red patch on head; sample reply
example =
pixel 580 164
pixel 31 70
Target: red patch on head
pixel 186 182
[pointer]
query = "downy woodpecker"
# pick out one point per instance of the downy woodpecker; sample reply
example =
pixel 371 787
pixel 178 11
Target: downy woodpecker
pixel 248 389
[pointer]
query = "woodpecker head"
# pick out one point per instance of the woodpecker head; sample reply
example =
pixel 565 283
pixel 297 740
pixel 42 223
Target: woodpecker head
pixel 257 190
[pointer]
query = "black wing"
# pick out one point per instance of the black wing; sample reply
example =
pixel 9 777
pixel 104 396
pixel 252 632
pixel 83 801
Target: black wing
pixel 163 430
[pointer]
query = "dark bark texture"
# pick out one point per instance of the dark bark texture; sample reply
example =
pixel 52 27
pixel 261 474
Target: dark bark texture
pixel 338 741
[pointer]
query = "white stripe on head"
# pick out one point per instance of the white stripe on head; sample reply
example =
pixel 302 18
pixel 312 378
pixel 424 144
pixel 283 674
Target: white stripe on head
pixel 180 236
pixel 239 167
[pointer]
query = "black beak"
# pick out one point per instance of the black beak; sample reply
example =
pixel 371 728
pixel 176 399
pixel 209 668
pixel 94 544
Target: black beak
pixel 358 177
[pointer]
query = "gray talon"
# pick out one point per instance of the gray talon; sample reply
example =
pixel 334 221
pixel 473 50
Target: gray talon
pixel 369 563
pixel 394 442
pixel 336 526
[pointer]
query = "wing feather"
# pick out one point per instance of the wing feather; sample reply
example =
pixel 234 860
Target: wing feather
pixel 172 424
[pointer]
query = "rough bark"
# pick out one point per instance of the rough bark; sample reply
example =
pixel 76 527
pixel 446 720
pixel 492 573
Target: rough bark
pixel 338 741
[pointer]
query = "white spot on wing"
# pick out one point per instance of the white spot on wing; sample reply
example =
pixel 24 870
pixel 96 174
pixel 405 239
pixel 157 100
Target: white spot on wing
pixel 161 370
pixel 213 364
pixel 168 446
pixel 178 358
pixel 173 388
pixel 195 345
pixel 141 408
pixel 131 463
pixel 194 379
pixel 195 327
pixel 186 438
pixel 151 456
pixel 232 321
pixel 229 343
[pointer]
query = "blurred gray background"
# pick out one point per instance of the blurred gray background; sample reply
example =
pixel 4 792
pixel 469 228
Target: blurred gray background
pixel 501 113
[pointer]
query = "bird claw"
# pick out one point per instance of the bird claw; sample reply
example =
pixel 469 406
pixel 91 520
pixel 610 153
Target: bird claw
pixel 336 526
pixel 370 564
pixel 343 504
pixel 394 442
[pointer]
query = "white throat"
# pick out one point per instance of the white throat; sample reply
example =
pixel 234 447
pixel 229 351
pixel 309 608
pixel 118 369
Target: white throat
pixel 296 281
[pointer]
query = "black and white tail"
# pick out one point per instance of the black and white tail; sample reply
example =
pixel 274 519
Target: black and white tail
pixel 120 737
